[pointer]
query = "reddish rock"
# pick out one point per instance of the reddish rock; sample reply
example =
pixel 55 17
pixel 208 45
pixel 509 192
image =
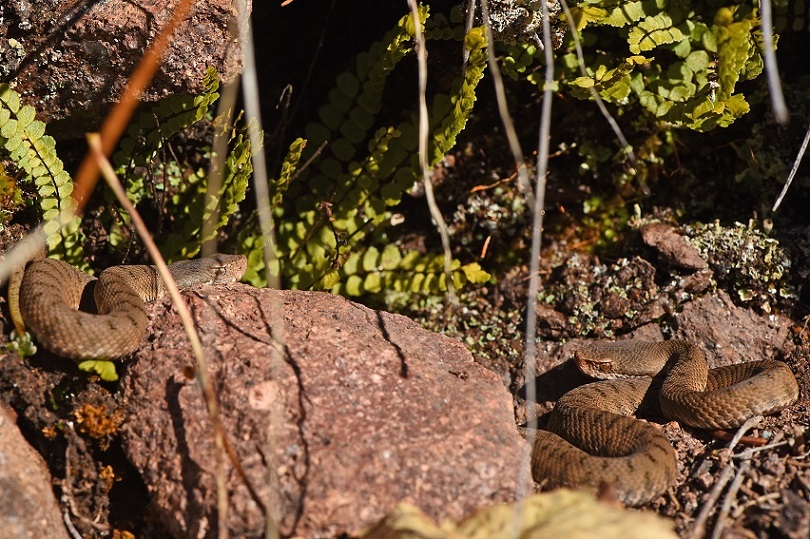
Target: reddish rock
pixel 673 248
pixel 70 60
pixel 372 411
pixel 29 508
pixel 730 334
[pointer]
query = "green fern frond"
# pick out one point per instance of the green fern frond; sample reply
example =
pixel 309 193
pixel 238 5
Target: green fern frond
pixel 348 196
pixel 190 201
pixel 288 169
pixel 160 121
pixel 250 241
pixel 23 138
pixel 672 48
pixel 139 157
pixel 374 271
pixel 146 136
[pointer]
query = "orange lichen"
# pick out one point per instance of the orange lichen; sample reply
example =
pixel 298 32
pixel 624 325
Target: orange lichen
pixel 98 423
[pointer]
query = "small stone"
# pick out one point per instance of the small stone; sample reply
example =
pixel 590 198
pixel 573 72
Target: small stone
pixel 672 247
pixel 29 506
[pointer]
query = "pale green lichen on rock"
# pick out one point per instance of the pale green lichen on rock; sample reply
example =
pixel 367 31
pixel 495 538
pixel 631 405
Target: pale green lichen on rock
pixel 601 299
pixel 753 266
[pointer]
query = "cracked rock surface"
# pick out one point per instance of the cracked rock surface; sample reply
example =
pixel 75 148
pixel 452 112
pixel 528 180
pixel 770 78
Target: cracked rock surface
pixel 370 411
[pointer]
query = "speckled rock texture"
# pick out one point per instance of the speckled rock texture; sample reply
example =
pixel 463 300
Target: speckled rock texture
pixel 70 60
pixel 370 411
pixel 731 334
pixel 672 248
pixel 28 507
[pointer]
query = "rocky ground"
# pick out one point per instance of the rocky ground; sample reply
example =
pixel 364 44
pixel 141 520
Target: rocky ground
pixel 359 409
pixel 370 410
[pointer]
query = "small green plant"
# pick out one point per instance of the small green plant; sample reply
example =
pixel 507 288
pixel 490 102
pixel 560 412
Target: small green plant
pixel 679 60
pixel 332 228
pixel 142 161
pixel 23 140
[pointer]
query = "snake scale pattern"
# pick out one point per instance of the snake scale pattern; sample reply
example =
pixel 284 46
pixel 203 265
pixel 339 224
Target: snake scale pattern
pixel 591 441
pixel 51 292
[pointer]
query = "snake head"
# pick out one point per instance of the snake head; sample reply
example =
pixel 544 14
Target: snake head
pixel 620 359
pixel 226 269
pixel 593 365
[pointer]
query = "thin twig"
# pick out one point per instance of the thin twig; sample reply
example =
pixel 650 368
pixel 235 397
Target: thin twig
pixel 780 111
pixel 757 449
pixel 27 248
pixel 216 168
pixel 203 379
pixel 250 92
pixel 530 358
pixel 795 168
pixel 731 494
pixel 759 501
pixel 309 161
pixel 745 427
pixel 699 526
pixel 70 527
pixel 70 499
pixel 435 213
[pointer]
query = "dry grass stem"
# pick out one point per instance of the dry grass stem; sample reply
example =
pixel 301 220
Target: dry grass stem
pixel 96 150
pixel 530 358
pixel 780 111
pixel 731 494
pixel 250 93
pixel 216 168
pixel 699 526
pixel 793 170
pixel 503 111
pixel 435 213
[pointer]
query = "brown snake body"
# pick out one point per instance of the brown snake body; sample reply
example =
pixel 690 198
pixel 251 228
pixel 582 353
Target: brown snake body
pixel 590 440
pixel 51 291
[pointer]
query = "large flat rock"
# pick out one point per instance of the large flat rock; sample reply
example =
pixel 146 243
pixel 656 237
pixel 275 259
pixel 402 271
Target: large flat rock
pixel 363 410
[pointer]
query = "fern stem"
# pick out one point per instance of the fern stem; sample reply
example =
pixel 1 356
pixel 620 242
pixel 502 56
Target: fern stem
pixel 421 55
pixel 598 99
pixel 503 111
